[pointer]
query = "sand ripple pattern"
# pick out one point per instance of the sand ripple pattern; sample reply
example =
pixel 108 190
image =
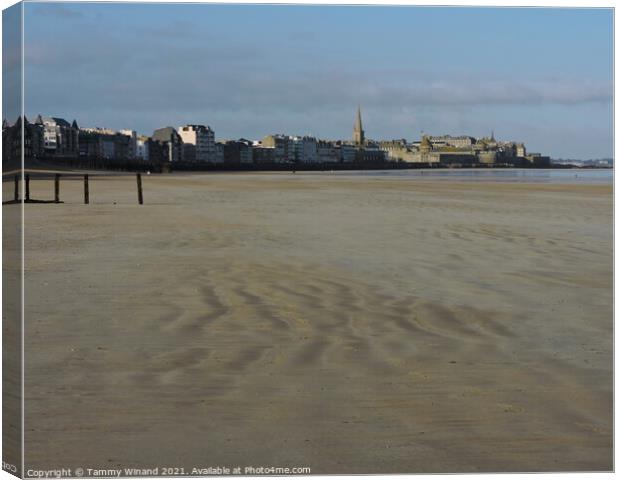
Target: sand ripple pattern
pixel 306 319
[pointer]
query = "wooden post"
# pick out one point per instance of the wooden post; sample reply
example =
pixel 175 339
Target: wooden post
pixel 139 180
pixel 17 188
pixel 86 199
pixel 57 188
pixel 27 187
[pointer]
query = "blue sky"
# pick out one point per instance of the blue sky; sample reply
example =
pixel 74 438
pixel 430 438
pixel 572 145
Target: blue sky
pixel 542 76
pixel 11 63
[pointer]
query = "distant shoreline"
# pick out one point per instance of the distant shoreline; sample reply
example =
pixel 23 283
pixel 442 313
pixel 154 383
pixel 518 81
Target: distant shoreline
pixel 86 166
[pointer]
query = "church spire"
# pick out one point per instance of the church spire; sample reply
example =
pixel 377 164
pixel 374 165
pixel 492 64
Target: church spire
pixel 358 130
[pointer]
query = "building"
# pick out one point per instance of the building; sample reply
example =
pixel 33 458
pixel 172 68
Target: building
pixel 90 145
pixel 246 152
pixel 296 149
pixel 158 151
pixel 305 150
pixel 173 141
pixel 348 153
pixel 238 152
pixel 12 141
pixel 425 145
pixel 133 143
pixel 264 155
pixel 371 153
pixel 507 150
pixel 454 159
pixel 105 144
pixel 283 148
pixel 99 130
pixel 202 138
pixel 219 153
pixel 188 153
pixel 358 130
pixel 60 138
pixel 462 142
pixel 142 148
pixel 398 150
pixel 327 152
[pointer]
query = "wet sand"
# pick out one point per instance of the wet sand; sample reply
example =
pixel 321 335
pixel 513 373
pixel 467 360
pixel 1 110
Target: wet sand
pixel 346 324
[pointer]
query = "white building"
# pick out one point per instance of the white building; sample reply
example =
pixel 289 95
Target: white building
pixel 99 130
pixel 49 134
pixel 203 139
pixel 59 136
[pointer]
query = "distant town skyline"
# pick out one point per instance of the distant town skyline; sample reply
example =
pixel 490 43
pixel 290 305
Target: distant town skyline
pixel 541 76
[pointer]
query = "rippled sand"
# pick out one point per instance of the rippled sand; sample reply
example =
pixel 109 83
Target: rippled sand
pixel 346 324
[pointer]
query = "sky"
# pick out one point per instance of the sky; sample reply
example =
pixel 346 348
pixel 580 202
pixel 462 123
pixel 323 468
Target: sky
pixel 540 76
pixel 11 63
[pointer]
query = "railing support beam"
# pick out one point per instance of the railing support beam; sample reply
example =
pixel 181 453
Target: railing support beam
pixel 86 193
pixel 139 182
pixel 57 188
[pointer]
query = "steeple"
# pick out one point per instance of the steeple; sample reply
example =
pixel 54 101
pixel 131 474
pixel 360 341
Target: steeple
pixel 358 131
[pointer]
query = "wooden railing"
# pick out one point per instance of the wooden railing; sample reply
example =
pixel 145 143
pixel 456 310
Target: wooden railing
pixel 57 176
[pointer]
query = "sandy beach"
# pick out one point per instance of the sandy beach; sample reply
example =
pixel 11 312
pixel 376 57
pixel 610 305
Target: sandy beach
pixel 346 324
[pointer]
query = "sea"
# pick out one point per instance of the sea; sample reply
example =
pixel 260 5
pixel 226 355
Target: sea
pixel 517 175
